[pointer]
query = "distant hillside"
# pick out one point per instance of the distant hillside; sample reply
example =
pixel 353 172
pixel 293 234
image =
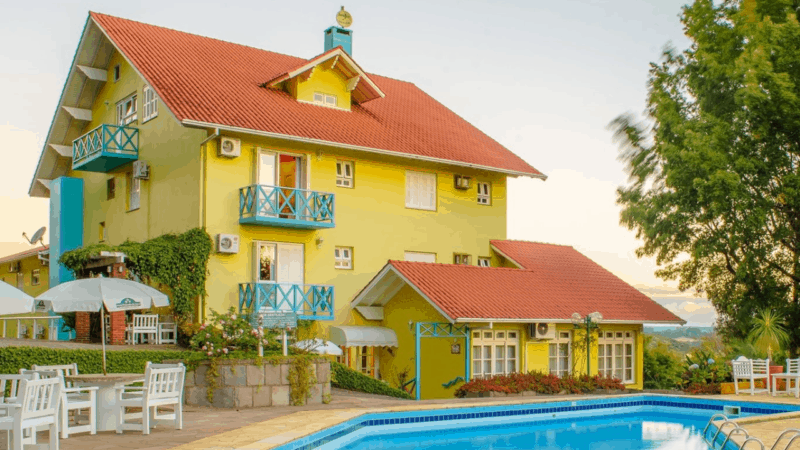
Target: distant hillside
pixel 681 339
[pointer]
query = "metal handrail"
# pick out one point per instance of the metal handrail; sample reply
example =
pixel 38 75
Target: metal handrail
pixel 712 419
pixel 783 434
pixel 719 430
pixel 738 428
pixel 751 439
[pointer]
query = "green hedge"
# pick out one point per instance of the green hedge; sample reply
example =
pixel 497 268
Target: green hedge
pixel 347 378
pixel 89 361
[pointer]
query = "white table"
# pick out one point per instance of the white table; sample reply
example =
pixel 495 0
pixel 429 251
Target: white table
pixel 789 377
pixel 107 410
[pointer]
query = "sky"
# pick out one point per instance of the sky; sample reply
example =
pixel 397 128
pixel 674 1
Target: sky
pixel 542 78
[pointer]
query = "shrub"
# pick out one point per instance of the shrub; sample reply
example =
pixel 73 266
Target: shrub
pixel 227 332
pixel 661 366
pixel 541 383
pixel 344 377
pixel 703 373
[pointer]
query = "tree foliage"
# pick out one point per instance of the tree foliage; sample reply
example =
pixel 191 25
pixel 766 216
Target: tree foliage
pixel 714 192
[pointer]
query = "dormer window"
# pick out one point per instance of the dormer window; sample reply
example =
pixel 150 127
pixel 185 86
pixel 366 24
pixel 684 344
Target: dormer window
pixel 325 99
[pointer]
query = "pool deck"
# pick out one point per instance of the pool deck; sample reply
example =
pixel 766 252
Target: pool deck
pixel 266 428
pixel 765 428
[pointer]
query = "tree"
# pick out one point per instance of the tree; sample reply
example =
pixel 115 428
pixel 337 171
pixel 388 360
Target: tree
pixel 768 332
pixel 714 192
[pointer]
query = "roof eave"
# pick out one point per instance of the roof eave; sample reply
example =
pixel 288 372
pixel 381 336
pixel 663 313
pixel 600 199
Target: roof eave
pixel 513 173
pixel 543 320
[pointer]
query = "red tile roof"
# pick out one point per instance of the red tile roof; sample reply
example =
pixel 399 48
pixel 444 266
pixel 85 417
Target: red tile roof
pixel 23 255
pixel 214 82
pixel 568 285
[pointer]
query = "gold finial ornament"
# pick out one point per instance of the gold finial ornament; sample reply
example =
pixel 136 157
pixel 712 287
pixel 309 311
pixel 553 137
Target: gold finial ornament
pixel 343 18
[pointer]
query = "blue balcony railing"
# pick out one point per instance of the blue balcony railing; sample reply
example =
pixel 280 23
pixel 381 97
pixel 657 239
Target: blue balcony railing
pixel 260 204
pixel 307 301
pixel 105 148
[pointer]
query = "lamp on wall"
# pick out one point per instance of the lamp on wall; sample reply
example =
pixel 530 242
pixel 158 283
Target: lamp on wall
pixel 587 323
pixel 320 240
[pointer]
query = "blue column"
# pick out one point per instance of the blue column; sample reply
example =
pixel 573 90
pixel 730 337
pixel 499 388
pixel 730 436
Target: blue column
pixel 66 229
pixel 418 362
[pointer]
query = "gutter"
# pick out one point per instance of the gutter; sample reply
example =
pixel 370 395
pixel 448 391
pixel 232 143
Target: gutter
pixel 202 213
pixel 195 123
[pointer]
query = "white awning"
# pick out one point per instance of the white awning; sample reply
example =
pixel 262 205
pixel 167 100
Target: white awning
pixel 363 336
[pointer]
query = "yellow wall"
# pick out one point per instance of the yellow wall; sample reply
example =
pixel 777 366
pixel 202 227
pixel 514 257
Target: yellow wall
pixel 170 199
pixel 323 80
pixel 371 218
pixel 27 266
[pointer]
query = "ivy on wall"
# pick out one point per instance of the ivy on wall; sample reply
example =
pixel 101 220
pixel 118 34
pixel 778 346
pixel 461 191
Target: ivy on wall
pixel 178 261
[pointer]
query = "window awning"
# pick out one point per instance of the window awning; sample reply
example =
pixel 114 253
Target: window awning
pixel 363 336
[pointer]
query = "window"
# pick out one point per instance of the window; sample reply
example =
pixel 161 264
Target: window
pixel 421 190
pixel 561 354
pixel 460 258
pixel 615 357
pixel 149 104
pixel 344 257
pixel 134 192
pixel 35 277
pixel 420 257
pixel 484 193
pixel 325 99
pixel 111 188
pixel 102 232
pixel 365 360
pixel 126 111
pixel 116 73
pixel 494 353
pixel 344 174
pixel 484 261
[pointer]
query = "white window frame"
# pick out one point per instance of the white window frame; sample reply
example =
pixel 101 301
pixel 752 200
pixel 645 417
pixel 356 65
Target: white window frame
pixel 345 177
pixel 421 190
pixel 134 193
pixel 419 256
pixel 462 259
pixel 127 110
pixel 36 278
pixel 149 104
pixel 616 355
pixel 343 257
pixel 554 354
pixel 484 193
pixel 328 100
pixel 483 339
pixel 484 261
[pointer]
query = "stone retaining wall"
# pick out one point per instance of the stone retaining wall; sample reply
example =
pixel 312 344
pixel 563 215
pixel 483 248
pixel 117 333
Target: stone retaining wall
pixel 242 384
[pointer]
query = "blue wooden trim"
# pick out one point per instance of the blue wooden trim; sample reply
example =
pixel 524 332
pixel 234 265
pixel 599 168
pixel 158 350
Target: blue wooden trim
pixel 452 382
pixel 418 374
pixel 308 301
pixel 105 148
pixel 260 204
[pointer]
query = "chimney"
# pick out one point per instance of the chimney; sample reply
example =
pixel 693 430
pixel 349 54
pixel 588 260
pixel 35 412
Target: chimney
pixel 336 36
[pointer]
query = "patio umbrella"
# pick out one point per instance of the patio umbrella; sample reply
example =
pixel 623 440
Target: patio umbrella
pixel 319 347
pixel 14 301
pixel 100 294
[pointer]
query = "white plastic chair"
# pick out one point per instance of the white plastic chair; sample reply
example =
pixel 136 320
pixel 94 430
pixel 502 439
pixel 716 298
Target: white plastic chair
pixel 74 399
pixel 38 406
pixel 167 331
pixel 163 385
pixel 751 370
pixel 792 374
pixel 146 324
pixel 12 382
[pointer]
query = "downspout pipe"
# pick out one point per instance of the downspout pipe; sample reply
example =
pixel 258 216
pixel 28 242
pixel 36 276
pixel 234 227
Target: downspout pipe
pixel 203 188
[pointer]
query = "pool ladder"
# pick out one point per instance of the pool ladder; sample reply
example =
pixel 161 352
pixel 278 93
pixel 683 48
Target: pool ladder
pixel 792 433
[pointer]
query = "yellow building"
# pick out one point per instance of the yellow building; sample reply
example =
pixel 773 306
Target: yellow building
pixel 27 271
pixel 309 174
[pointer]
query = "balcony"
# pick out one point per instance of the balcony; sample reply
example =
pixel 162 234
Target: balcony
pixel 260 204
pixel 307 301
pixel 105 148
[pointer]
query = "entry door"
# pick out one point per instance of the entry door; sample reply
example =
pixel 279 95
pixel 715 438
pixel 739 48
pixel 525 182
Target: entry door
pixel 276 169
pixel 290 275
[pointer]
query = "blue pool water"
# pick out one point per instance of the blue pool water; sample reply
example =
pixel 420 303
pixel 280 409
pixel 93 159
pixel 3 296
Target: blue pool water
pixel 627 422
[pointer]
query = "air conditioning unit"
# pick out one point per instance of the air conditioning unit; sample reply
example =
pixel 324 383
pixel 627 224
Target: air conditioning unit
pixel 44 258
pixel 462 182
pixel 227 243
pixel 230 147
pixel 13 267
pixel 542 330
pixel 141 170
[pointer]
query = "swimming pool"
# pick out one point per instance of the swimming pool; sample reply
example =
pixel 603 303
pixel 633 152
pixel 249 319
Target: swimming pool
pixel 626 422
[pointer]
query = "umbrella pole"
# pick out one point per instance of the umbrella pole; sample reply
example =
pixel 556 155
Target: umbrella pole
pixel 103 335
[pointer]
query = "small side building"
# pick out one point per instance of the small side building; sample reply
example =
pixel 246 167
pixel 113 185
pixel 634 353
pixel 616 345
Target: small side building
pixel 465 321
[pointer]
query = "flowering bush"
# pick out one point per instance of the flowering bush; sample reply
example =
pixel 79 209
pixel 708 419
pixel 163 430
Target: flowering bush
pixel 541 383
pixel 225 332
pixel 703 374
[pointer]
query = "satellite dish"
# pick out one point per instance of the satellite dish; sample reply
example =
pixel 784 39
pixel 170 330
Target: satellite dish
pixel 37 237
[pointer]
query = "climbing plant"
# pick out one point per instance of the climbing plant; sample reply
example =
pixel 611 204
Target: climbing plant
pixel 178 261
